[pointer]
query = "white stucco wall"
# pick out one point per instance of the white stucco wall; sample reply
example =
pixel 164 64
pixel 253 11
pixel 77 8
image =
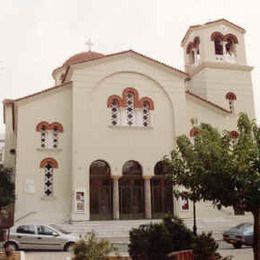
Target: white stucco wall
pixel 94 138
pixel 52 106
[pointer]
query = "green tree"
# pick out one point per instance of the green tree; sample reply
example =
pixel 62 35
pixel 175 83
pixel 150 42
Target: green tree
pixel 7 191
pixel 221 167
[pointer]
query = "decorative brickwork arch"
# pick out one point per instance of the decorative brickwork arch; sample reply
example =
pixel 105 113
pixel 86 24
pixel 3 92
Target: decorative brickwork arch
pixel 193 132
pixel 56 126
pixel 231 37
pixel 42 126
pixel 231 96
pixel 234 134
pixel 146 101
pixel 129 110
pixel 217 36
pixel 49 161
pixel 114 99
pixel 132 91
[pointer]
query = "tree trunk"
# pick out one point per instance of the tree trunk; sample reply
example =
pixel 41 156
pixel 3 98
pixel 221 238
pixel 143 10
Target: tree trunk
pixel 256 246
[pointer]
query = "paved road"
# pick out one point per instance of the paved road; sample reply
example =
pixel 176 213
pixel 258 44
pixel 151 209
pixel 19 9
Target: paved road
pixel 238 254
pixel 47 256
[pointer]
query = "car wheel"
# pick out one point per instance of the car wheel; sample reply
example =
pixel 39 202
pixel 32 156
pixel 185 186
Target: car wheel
pixel 69 247
pixel 237 245
pixel 11 245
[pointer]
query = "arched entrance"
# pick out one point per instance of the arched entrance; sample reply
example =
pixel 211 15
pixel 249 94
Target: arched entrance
pixel 131 191
pixel 100 191
pixel 162 193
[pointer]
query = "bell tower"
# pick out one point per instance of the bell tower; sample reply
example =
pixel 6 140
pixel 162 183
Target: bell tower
pixel 215 59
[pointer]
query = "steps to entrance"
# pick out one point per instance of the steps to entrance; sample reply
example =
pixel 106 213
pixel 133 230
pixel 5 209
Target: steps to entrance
pixel 117 231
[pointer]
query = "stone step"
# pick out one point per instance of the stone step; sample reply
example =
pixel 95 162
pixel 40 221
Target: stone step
pixel 118 230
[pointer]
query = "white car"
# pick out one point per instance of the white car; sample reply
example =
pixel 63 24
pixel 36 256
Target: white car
pixel 46 237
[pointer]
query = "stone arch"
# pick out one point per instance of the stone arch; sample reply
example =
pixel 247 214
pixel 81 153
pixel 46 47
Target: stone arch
pixel 101 200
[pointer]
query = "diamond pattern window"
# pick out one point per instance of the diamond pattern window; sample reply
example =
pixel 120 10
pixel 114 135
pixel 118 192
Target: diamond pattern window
pixel 49 134
pixel 48 165
pixel 129 110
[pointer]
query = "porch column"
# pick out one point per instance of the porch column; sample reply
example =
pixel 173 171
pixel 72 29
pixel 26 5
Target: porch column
pixel 147 195
pixel 115 197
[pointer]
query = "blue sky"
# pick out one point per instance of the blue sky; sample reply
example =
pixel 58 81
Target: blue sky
pixel 38 36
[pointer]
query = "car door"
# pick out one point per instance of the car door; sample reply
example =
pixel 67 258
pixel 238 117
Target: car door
pixel 26 237
pixel 49 238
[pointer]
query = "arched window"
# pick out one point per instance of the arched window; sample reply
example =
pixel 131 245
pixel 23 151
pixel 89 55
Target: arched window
pixel 43 127
pixel 218 37
pixel 146 114
pixel 218 47
pixel 49 134
pixel 48 164
pixel 231 97
pixel 114 112
pixel 193 50
pixel 129 110
pixel 230 45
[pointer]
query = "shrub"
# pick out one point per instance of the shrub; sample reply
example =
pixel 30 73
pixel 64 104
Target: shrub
pixel 91 248
pixel 205 247
pixel 152 242
pixel 155 241
pixel 182 237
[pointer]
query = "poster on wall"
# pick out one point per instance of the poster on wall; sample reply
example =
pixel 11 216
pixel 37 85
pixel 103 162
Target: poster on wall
pixel 80 201
pixel 184 204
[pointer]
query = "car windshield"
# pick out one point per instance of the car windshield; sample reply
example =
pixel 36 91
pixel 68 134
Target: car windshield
pixel 60 229
pixel 243 226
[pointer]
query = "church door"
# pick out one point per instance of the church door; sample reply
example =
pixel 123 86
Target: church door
pixel 162 193
pixel 131 191
pixel 100 191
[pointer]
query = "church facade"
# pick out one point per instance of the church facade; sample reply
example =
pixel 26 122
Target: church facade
pixel 91 147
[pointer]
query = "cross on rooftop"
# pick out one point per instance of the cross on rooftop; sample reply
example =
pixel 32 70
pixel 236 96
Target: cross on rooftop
pixel 89 43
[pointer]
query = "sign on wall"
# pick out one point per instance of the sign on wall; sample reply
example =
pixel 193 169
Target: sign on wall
pixel 80 201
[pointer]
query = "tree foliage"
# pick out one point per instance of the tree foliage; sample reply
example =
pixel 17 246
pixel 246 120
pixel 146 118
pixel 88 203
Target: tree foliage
pixel 217 167
pixel 7 192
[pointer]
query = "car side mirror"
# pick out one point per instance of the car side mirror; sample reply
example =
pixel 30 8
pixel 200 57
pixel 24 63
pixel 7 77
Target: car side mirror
pixel 55 234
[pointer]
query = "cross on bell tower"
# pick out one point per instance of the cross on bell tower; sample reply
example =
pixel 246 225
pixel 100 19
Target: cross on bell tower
pixel 89 43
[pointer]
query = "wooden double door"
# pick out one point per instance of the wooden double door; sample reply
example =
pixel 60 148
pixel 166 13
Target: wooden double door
pixel 101 198
pixel 162 197
pixel 131 198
